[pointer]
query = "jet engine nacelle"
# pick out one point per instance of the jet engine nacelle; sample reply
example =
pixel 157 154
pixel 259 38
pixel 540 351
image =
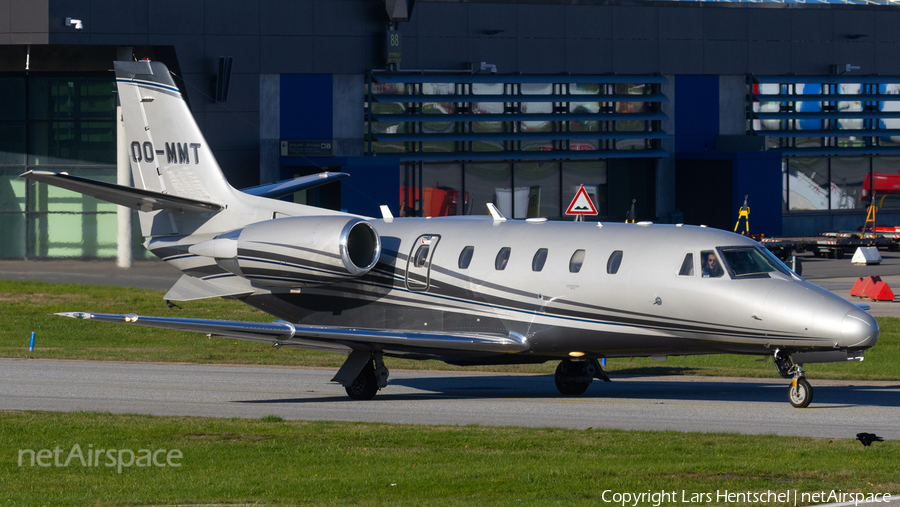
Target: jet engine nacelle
pixel 297 251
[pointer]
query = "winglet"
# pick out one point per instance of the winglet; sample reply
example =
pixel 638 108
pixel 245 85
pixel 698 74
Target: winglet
pixel 386 213
pixel 498 217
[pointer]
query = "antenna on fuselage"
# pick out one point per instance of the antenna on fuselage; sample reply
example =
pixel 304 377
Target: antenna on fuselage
pixel 495 213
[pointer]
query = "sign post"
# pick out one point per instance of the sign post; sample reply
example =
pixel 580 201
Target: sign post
pixel 581 205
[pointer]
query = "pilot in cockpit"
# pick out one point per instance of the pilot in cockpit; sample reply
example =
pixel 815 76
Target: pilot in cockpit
pixel 711 267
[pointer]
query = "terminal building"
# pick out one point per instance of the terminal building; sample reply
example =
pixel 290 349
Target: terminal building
pixel 438 107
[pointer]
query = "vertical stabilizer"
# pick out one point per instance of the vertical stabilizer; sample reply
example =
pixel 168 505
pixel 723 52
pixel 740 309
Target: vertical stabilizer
pixel 168 154
pixel 166 149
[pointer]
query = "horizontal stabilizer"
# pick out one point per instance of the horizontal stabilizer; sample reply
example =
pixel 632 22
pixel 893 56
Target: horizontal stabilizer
pixel 189 288
pixel 282 188
pixel 134 198
pixel 323 337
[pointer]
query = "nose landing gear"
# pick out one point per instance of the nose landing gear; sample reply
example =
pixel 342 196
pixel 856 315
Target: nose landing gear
pixel 800 393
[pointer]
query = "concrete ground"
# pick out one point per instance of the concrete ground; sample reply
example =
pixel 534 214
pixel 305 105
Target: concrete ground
pixel 836 275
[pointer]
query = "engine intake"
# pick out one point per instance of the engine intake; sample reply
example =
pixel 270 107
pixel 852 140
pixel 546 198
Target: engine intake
pixel 297 251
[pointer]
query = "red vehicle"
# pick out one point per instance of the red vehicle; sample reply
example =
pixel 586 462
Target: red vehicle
pixel 884 184
pixel 437 201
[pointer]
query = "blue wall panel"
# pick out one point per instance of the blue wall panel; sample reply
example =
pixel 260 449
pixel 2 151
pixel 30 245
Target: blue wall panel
pixel 306 106
pixel 373 181
pixel 758 174
pixel 696 112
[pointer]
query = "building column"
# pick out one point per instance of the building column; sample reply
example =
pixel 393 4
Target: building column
pixel 124 254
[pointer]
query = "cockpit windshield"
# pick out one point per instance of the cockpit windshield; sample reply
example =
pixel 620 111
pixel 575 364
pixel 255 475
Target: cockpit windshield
pixel 747 261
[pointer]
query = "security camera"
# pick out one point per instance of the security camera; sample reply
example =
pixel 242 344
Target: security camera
pixel 488 66
pixel 75 22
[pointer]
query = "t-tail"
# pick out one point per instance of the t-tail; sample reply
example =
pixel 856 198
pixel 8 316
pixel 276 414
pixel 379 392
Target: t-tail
pixel 194 219
pixel 169 155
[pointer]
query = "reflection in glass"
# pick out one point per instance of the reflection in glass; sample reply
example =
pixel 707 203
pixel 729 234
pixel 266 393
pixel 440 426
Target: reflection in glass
pixel 537 190
pixel 687 266
pixel 540 257
pixel 487 127
pixel 465 257
pixel 767 107
pixel 442 188
pixel 850 106
pixel 847 175
pixel 613 263
pixel 808 183
pixel 808 106
pixel 482 182
pixel 502 259
pixel 887 176
pixel 891 106
pixel 12 213
pixel 584 108
pixel 576 261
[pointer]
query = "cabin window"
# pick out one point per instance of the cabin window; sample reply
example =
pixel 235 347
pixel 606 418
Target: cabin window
pixel 747 262
pixel 576 261
pixel 687 267
pixel 712 268
pixel 540 257
pixel 615 259
pixel 502 259
pixel 465 257
pixel 421 256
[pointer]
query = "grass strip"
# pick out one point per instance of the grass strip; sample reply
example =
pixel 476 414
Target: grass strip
pixel 28 306
pixel 276 462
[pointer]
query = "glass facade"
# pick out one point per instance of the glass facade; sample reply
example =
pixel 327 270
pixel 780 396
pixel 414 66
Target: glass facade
pixel 59 124
pixel 523 143
pixel 840 137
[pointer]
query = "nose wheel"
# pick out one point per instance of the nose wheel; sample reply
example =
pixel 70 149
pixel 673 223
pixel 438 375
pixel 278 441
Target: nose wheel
pixel 800 393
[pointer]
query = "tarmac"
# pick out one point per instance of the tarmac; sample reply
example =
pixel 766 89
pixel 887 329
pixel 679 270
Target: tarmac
pixel 835 275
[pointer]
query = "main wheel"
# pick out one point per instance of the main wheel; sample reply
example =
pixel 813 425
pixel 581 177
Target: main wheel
pixel 565 381
pixel 800 395
pixel 365 385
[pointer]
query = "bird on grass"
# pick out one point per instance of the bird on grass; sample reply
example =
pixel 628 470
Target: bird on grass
pixel 172 305
pixel 868 438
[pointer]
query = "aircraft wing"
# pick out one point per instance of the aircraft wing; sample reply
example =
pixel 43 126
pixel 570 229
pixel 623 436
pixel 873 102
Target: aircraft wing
pixel 135 198
pixel 322 337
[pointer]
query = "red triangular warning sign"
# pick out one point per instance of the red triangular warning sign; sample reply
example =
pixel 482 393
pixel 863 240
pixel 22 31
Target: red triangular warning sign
pixel 581 204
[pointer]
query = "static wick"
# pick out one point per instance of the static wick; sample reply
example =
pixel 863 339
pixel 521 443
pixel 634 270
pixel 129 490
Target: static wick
pixel 31 345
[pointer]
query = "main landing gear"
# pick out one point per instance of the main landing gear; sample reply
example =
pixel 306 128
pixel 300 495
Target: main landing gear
pixel 362 374
pixel 800 393
pixel 574 377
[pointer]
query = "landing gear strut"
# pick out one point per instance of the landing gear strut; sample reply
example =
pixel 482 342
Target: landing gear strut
pixel 800 393
pixel 574 377
pixel 362 374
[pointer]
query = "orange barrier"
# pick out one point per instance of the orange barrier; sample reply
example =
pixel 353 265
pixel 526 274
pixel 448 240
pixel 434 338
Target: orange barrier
pixel 881 292
pixel 857 289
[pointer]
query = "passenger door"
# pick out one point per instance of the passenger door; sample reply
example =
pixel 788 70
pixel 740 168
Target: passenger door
pixel 418 265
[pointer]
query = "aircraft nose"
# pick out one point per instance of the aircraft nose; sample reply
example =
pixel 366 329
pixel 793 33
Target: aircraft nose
pixel 859 330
